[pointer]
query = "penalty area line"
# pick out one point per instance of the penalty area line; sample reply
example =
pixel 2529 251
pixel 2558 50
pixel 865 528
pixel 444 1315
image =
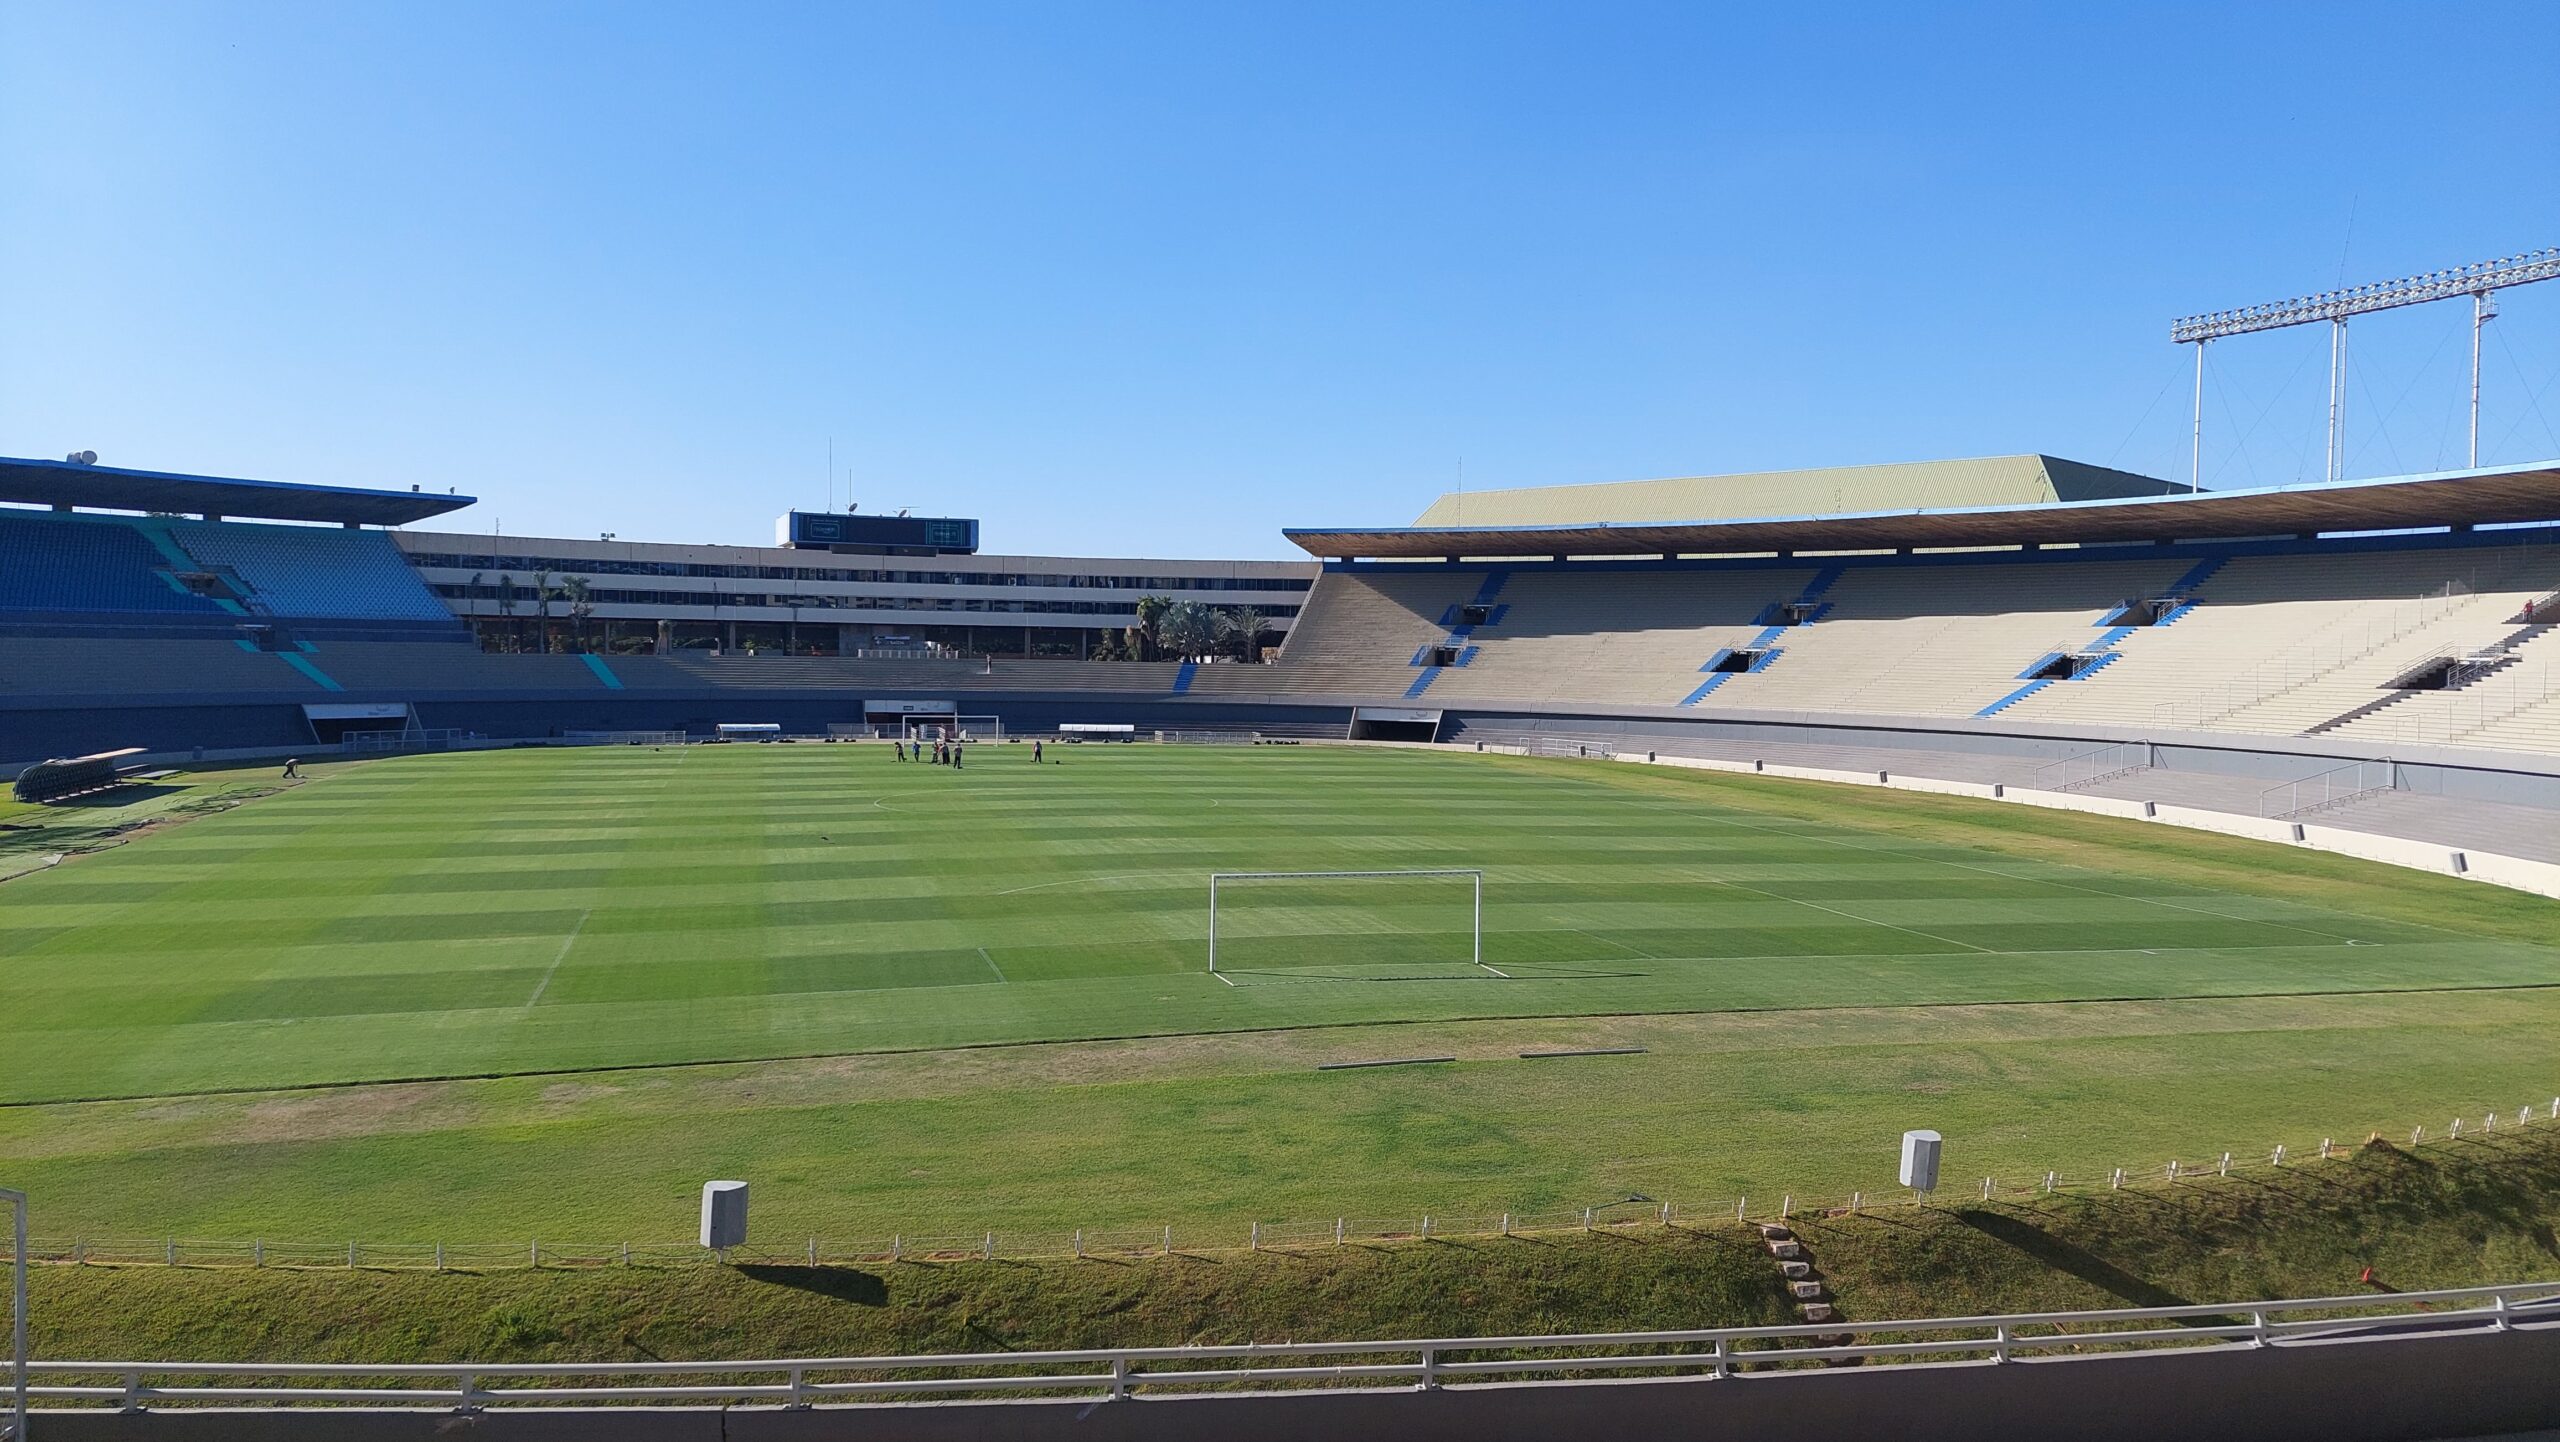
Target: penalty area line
pixel 569 941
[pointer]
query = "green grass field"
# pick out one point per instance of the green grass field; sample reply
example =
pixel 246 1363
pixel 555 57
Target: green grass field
pixel 551 991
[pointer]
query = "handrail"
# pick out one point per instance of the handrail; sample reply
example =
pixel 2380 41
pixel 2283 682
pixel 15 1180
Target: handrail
pixel 2116 761
pixel 1125 1368
pixel 2321 790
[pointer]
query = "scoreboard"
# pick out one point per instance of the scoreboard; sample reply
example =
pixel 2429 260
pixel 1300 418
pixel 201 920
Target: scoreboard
pixel 827 530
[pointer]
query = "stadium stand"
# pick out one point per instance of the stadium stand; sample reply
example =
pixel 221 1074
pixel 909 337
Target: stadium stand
pixel 54 564
pixel 1366 633
pixel 1615 636
pixel 70 666
pixel 1941 640
pixel 698 671
pixel 2283 644
pixel 315 571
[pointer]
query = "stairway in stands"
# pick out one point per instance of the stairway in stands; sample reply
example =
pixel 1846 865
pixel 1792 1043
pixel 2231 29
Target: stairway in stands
pixel 1807 608
pixel 1460 631
pixel 2181 592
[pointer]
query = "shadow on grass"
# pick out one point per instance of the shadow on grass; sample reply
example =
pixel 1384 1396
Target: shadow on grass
pixel 2073 1261
pixel 841 1284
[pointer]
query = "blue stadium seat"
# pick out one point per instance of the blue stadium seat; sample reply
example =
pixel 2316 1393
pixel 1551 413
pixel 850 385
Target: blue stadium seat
pixel 84 563
pixel 315 571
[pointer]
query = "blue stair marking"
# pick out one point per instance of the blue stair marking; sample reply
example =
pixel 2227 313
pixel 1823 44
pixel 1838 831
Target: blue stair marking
pixel 245 644
pixel 603 672
pixel 1711 683
pixel 300 663
pixel 1422 682
pixel 1182 678
pixel 2197 575
pixel 2014 697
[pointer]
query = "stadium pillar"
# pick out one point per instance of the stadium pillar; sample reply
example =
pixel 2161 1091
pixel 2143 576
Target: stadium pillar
pixel 2195 463
pixel 2483 306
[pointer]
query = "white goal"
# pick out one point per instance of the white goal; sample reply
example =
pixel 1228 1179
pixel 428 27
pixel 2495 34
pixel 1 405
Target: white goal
pixel 1475 926
pixel 947 726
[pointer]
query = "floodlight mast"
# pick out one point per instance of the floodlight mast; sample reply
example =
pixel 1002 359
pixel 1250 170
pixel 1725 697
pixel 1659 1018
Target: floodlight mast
pixel 2479 281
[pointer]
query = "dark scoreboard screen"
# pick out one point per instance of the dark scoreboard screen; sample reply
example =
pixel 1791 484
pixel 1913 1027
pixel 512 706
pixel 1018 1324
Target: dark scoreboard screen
pixel 907 533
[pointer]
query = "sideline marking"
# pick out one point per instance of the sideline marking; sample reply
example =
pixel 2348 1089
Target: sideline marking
pixel 570 941
pixel 1071 881
pixel 991 966
pixel 1222 976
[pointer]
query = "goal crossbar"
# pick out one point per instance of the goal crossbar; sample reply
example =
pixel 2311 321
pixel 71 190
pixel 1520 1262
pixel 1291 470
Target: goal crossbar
pixel 1476 957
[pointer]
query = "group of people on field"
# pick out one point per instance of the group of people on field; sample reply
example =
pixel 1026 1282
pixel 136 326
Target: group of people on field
pixel 945 752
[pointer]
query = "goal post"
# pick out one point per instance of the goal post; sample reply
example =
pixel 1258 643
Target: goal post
pixel 1475 956
pixel 945 725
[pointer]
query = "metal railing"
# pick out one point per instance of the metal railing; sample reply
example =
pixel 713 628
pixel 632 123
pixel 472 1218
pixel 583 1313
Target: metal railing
pixel 1115 1373
pixel 2334 787
pixel 2091 767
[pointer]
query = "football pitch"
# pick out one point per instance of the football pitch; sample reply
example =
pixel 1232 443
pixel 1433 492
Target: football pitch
pixel 687 959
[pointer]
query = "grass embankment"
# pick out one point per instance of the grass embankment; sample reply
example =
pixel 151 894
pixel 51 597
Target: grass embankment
pixel 2448 1214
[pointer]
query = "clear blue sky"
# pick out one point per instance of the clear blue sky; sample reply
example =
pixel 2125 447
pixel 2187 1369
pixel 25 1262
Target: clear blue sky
pixel 1162 279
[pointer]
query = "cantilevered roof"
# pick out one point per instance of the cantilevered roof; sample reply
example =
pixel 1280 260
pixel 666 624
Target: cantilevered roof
pixel 1832 490
pixel 112 488
pixel 2448 498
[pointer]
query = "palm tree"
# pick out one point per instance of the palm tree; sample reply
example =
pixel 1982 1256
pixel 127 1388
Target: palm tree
pixel 543 591
pixel 1149 630
pixel 1189 629
pixel 507 609
pixel 581 594
pixel 1244 625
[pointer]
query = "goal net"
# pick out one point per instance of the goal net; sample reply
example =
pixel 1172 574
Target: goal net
pixel 1346 923
pixel 948 727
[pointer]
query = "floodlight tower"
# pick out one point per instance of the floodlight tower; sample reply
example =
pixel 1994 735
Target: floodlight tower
pixel 2480 281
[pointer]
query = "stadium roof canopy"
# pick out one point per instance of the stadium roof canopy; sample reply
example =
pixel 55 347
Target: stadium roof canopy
pixel 1830 491
pixel 113 488
pixel 2448 498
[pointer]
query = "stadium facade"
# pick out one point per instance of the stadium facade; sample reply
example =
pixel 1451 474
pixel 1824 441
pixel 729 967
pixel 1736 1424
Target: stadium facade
pixel 803 601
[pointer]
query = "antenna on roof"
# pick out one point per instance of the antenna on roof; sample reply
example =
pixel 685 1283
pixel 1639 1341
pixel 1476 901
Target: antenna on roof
pixel 82 458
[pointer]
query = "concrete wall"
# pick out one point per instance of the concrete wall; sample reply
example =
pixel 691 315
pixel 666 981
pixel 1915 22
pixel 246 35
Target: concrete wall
pixel 2397 1390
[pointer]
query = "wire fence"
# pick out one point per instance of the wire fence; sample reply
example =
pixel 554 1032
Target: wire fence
pixel 1634 1213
